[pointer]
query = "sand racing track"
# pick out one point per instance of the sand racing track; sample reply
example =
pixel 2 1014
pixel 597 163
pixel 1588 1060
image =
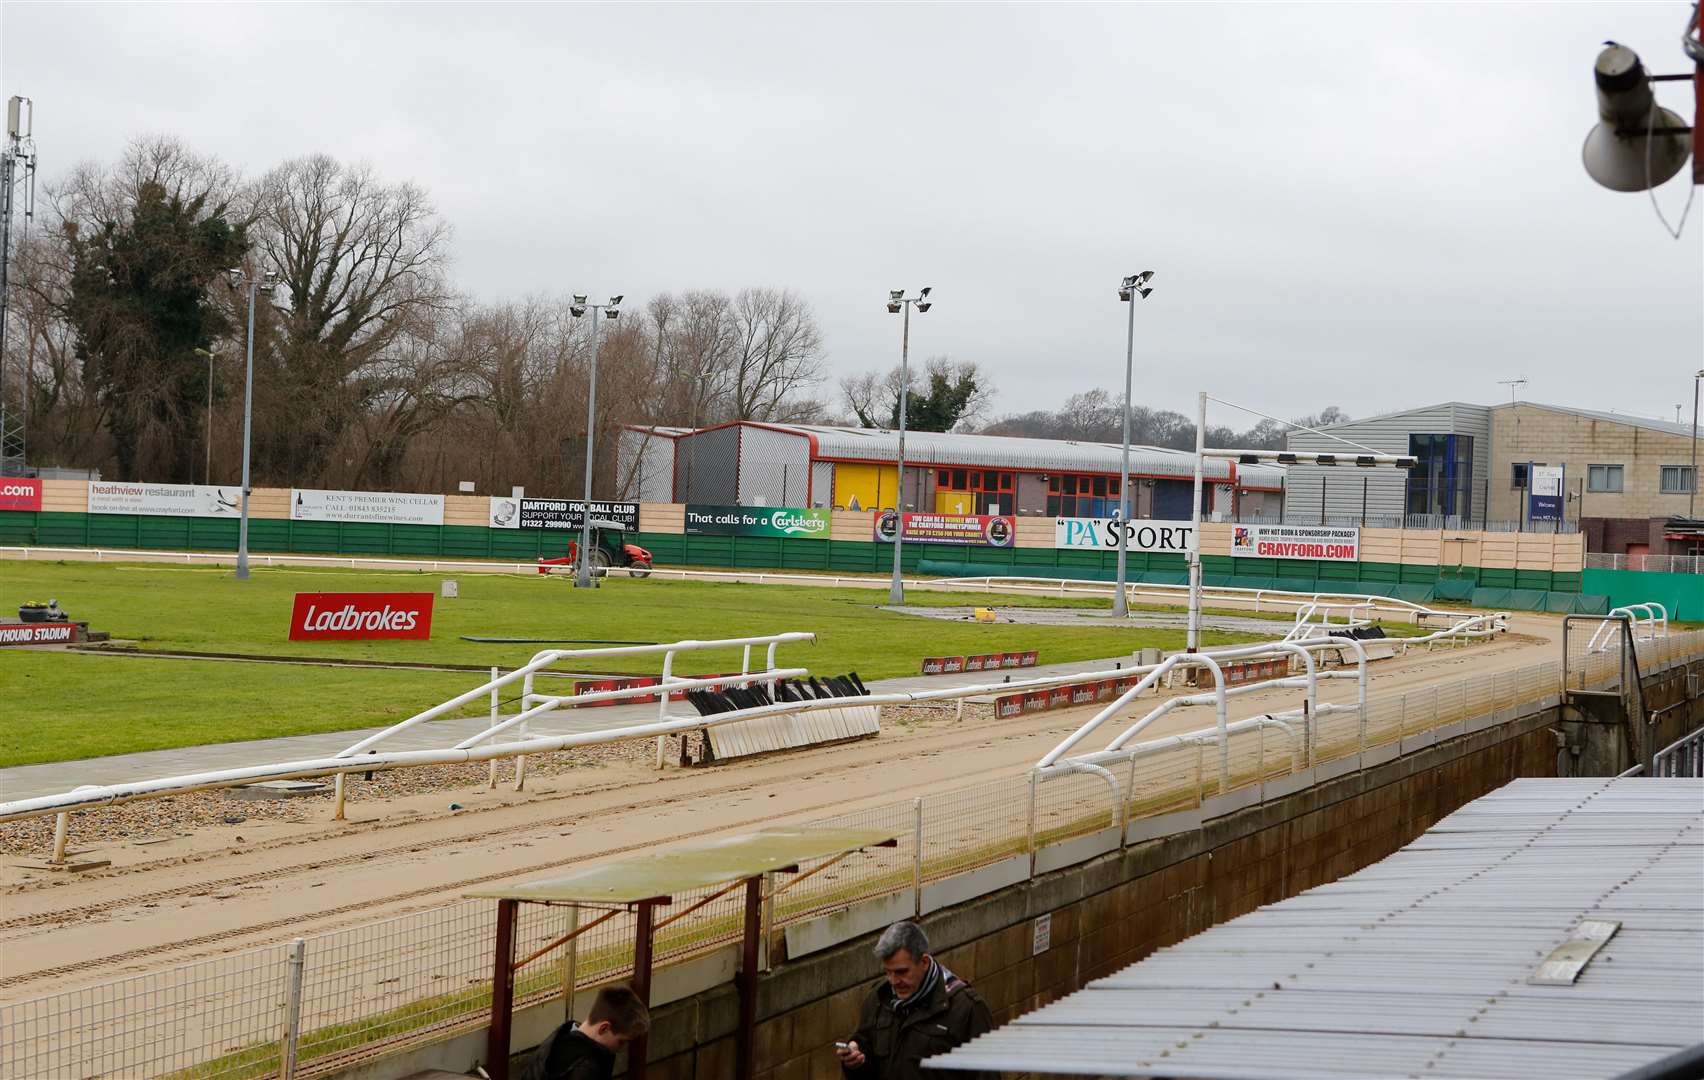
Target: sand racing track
pixel 206 894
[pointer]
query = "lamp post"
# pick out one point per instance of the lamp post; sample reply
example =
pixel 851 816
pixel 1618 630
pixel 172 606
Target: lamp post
pixel 207 470
pixel 1134 284
pixel 1692 495
pixel 583 573
pixel 900 304
pixel 267 284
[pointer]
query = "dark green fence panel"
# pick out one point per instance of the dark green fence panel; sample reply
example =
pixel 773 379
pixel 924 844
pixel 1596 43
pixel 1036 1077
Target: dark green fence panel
pixel 20 527
pixel 216 534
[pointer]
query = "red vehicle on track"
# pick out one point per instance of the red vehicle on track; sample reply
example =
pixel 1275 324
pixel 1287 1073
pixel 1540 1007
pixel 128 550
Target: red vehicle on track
pixel 609 548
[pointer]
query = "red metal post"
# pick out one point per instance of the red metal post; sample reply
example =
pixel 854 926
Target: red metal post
pixel 743 1064
pixel 636 1050
pixel 502 993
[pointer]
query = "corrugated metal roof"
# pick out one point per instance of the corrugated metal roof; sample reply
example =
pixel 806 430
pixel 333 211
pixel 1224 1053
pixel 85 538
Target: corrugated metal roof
pixel 1013 452
pixel 1418 964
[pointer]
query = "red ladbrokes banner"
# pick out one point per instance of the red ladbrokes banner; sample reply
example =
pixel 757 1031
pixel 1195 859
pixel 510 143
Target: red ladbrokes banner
pixel 323 616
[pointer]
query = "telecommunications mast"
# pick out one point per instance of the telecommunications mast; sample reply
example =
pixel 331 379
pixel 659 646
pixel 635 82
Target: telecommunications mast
pixel 17 171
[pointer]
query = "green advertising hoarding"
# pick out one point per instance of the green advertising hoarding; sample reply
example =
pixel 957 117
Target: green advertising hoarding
pixel 793 521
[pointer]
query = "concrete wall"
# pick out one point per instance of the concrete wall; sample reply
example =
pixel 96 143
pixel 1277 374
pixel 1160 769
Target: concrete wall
pixel 1115 910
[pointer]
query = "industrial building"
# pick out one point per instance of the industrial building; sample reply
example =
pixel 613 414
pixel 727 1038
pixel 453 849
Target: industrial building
pixel 807 465
pixel 1627 482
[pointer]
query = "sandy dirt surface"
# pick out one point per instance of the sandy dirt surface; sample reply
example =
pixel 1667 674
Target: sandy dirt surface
pixel 184 893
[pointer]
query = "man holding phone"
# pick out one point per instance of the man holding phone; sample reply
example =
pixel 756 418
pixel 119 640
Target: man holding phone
pixel 918 1010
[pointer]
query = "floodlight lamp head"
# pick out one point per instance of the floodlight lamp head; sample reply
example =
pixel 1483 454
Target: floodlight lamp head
pixel 893 307
pixel 1144 292
pixel 925 291
pixel 616 299
pixel 923 305
pixel 896 294
pixel 610 313
pixel 576 311
pixel 580 298
pixel 1618 153
pixel 1124 294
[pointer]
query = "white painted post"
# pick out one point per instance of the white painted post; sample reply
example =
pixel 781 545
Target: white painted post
pixel 663 701
pixel 1030 841
pixel 521 761
pixel 337 810
pixel 61 832
pixel 917 855
pixel 491 780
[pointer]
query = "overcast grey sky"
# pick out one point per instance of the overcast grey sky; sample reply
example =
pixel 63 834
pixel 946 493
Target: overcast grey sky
pixel 1374 206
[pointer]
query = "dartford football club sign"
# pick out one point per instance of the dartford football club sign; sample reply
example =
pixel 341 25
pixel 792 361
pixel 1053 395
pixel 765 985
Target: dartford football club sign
pixel 1101 534
pixel 1324 543
pixel 346 616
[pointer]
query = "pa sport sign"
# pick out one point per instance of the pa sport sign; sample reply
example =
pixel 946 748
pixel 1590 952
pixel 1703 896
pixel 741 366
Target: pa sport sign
pixel 796 522
pixel 1324 543
pixel 1101 534
pixel 361 616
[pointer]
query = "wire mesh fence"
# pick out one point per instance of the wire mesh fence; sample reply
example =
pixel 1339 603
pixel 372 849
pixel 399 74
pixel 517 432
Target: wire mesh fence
pixel 370 989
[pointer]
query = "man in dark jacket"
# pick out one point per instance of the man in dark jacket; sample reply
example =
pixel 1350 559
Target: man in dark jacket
pixel 918 1010
pixel 586 1051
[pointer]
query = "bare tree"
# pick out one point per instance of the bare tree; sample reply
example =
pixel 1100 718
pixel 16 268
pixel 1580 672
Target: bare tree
pixel 361 260
pixel 778 353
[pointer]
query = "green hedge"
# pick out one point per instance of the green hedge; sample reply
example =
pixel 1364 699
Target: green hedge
pixel 842 556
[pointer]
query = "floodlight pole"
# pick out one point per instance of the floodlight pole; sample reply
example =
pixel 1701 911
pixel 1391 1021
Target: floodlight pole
pixel 900 304
pixel 248 427
pixel 1692 495
pixel 1194 640
pixel 583 572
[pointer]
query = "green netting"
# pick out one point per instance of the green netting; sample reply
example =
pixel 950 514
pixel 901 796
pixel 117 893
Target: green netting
pixel 1453 589
pixel 1413 592
pixel 1497 599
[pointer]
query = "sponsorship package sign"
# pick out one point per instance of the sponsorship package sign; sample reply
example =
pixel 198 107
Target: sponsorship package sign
pixel 510 513
pixel 983 530
pixel 321 616
pixel 1326 543
pixel 17 493
pixel 1544 492
pixel 164 500
pixel 372 507
pixel 1101 534
pixel 793 521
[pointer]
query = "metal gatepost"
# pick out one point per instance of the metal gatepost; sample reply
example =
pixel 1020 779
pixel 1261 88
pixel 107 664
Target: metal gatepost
pixel 292 1011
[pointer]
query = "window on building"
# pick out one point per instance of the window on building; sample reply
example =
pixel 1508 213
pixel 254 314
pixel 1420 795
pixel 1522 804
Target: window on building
pixel 1603 477
pixel 1441 481
pixel 1518 475
pixel 1075 495
pixel 991 487
pixel 1676 480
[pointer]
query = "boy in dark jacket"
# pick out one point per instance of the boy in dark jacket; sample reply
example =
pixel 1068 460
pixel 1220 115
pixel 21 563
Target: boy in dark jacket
pixel 920 1009
pixel 586 1050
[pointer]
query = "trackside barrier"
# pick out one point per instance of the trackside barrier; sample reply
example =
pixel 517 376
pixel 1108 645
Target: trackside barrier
pixel 385 986
pixel 953 665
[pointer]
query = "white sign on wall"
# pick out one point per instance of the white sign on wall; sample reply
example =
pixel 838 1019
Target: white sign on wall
pixel 1101 534
pixel 164 500
pixel 374 507
pixel 1041 934
pixel 1323 542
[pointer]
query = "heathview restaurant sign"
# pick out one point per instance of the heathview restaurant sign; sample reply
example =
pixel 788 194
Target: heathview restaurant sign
pixel 164 500
pixel 511 513
pixel 793 521
pixel 371 507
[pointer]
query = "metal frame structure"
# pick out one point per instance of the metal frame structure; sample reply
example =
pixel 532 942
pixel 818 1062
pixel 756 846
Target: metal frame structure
pixel 1654 619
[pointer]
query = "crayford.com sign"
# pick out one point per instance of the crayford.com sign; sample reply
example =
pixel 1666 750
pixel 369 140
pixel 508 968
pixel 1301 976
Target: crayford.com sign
pixel 1101 534
pixel 1326 543
pixel 333 616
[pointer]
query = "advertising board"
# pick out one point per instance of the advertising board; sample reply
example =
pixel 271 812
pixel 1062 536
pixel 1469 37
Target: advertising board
pixel 372 507
pixel 1101 534
pixel 20 493
pixel 1326 543
pixel 983 530
pixel 164 500
pixel 796 522
pixel 37 633
pixel 361 616
pixel 1544 492
pixel 510 513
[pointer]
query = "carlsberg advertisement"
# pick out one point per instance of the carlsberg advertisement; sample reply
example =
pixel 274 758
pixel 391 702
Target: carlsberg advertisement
pixel 796 522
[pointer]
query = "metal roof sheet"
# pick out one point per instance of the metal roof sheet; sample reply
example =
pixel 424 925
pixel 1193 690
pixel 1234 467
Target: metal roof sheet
pixel 1419 964
pixel 1014 452
pixel 690 866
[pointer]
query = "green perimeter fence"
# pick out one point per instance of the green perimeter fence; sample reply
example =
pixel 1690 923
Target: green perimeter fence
pixel 1528 590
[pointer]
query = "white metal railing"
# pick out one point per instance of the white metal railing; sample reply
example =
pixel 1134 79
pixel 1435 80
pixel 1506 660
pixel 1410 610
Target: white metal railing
pixel 380 986
pixel 1654 622
pixel 1683 757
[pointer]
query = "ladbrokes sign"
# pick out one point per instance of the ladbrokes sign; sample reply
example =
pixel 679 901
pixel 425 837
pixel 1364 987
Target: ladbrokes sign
pixel 321 616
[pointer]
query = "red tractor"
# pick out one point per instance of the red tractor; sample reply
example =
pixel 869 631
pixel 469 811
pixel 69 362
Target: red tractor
pixel 609 548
